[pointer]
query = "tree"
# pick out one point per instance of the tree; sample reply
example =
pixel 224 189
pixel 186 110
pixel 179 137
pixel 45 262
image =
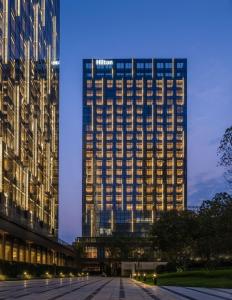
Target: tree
pixel 225 154
pixel 174 234
pixel 215 227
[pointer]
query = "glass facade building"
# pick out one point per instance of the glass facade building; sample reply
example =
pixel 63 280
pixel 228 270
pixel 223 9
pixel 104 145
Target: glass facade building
pixel 134 143
pixel 29 133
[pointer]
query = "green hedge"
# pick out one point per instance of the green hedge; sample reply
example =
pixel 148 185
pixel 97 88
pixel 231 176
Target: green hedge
pixel 17 269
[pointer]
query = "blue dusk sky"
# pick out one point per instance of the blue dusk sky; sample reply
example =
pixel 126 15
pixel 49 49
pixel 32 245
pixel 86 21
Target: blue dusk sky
pixel 199 30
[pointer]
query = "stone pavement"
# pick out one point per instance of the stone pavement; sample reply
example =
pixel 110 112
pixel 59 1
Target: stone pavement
pixel 99 288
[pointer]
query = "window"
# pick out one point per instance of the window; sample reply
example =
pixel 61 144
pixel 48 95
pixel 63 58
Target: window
pixel 109 83
pixel 168 65
pixel 159 65
pixel 148 65
pixel 120 65
pixel 140 65
pixel 88 66
pixel 180 65
pixel 118 163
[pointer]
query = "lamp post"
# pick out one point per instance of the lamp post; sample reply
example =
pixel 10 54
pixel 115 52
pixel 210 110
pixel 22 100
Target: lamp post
pixel 138 257
pixel 155 279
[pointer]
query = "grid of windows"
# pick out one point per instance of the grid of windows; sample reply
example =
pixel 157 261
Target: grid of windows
pixel 134 143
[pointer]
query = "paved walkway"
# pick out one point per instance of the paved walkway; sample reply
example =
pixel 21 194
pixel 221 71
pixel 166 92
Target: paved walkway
pixel 99 288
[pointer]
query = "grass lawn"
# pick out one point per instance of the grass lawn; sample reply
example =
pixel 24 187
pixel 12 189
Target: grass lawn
pixel 211 279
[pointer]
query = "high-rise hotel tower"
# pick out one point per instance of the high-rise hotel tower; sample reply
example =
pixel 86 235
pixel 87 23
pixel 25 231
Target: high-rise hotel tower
pixel 134 143
pixel 29 116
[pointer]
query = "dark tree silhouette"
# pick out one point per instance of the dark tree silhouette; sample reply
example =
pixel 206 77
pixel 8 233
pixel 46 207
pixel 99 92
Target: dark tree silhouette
pixel 225 154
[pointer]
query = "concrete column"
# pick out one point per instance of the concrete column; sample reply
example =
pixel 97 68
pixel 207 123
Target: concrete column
pixel 18 250
pixel 3 246
pixel 46 256
pixel 29 253
pixel 11 248
pixel 36 254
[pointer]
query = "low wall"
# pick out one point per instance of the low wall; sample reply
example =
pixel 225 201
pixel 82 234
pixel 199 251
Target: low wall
pixel 130 267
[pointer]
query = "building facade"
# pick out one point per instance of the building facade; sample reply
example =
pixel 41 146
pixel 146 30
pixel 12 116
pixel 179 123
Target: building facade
pixel 29 132
pixel 134 143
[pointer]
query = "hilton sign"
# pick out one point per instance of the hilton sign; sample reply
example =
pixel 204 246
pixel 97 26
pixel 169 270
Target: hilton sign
pixel 104 62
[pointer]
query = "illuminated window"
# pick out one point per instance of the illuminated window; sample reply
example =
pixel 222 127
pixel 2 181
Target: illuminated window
pixel 119 101
pixel 129 207
pixel 119 180
pixel 170 93
pixel 179 180
pixel 159 110
pixel 129 145
pixel 139 180
pixel 159 146
pixel 108 198
pixel 99 180
pixel 179 172
pixel 129 172
pixel 99 94
pixel 139 172
pixel 118 172
pixel 129 181
pixel 109 83
pixel 99 172
pixel 169 172
pixel 139 207
pixel 169 83
pixel 89 83
pixel 149 83
pixel 108 180
pixel 128 198
pixel 149 163
pixel 108 154
pixel 149 154
pixel 129 153
pixel 119 198
pixel 169 145
pixel 109 189
pixel 179 189
pixel 180 163
pixel 89 93
pixel 109 172
pixel 149 172
pixel 169 137
pixel 129 83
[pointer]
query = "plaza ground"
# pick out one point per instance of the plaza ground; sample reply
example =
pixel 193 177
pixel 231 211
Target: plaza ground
pixel 100 288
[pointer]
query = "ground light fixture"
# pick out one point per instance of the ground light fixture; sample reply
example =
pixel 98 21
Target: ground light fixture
pixel 25 275
pixel 47 275
pixel 155 278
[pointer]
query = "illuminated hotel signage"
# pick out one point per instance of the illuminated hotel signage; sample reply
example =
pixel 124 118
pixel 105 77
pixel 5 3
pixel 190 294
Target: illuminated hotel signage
pixel 104 62
pixel 55 63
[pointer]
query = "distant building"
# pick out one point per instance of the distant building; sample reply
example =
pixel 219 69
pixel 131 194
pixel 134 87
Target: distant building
pixel 29 121
pixel 134 143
